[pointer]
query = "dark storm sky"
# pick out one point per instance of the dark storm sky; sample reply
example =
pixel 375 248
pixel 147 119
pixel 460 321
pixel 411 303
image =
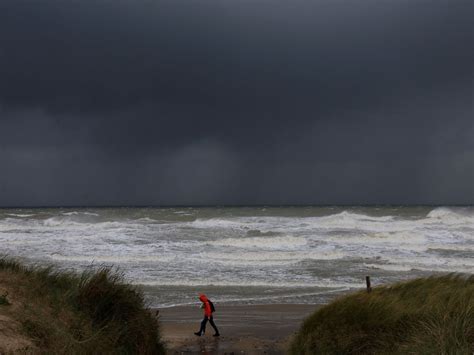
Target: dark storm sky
pixel 139 102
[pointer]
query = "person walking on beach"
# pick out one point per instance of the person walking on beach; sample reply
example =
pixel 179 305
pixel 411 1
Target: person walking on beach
pixel 208 310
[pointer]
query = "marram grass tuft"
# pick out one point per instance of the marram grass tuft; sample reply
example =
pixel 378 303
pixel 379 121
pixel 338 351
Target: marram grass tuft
pixel 432 315
pixel 63 312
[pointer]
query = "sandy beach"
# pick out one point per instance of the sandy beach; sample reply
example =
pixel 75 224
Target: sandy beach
pixel 246 329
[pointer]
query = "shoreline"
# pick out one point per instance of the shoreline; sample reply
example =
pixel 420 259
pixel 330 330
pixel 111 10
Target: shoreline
pixel 245 329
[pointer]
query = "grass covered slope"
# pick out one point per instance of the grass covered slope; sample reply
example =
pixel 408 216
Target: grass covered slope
pixel 42 310
pixel 424 316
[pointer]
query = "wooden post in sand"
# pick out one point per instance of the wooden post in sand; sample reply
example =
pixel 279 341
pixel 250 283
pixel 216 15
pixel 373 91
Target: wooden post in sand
pixel 367 281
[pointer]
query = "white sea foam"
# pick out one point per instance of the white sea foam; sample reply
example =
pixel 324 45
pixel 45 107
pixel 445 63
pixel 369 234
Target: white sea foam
pixel 79 213
pixel 164 247
pixel 115 259
pixel 450 216
pixel 284 242
pixel 330 284
pixel 20 215
pixel 262 258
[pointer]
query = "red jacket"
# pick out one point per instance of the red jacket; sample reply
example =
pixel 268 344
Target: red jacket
pixel 207 306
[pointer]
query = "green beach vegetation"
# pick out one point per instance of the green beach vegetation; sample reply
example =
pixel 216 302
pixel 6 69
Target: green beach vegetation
pixel 48 311
pixel 432 315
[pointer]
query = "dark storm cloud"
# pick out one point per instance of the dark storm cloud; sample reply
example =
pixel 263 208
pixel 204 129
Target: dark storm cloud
pixel 163 102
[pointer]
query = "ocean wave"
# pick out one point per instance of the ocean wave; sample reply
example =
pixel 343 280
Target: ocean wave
pixel 259 233
pixel 259 298
pixel 274 258
pixel 203 282
pixel 87 223
pixel 70 220
pixel 146 220
pixel 79 213
pixel 452 215
pixel 283 242
pixel 349 218
pixel 427 262
pixel 389 267
pixel 451 247
pixel 20 215
pixel 183 213
pixel 395 240
pixel 345 220
pixel 114 259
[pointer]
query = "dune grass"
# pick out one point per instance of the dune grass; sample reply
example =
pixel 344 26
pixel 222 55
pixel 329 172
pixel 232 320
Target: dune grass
pixel 425 316
pixel 63 312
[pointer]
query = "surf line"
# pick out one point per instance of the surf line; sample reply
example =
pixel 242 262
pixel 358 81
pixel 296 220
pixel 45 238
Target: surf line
pixel 258 298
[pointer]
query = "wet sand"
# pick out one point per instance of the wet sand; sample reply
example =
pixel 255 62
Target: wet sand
pixel 246 329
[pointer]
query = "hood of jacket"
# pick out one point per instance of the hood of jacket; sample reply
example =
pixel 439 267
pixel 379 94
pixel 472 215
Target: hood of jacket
pixel 203 298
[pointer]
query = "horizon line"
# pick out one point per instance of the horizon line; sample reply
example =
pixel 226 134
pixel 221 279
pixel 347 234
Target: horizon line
pixel 239 205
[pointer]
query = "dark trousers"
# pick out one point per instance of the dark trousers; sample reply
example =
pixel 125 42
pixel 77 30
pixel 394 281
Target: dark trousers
pixel 203 325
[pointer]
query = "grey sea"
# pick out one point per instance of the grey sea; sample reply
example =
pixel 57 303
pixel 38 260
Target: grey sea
pixel 246 255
